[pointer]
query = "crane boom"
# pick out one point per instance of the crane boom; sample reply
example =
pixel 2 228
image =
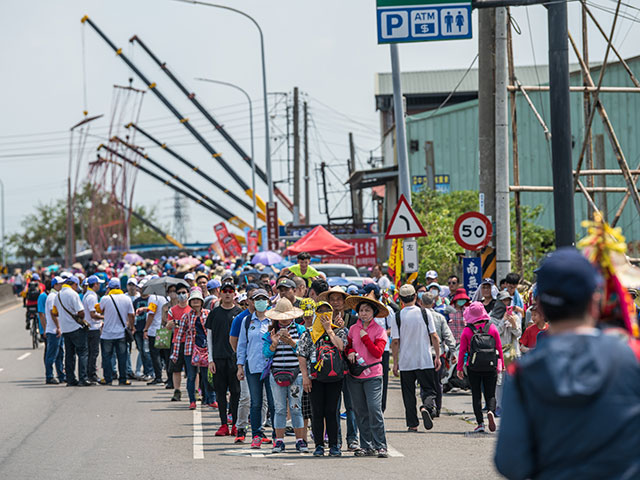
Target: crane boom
pixel 160 232
pixel 184 120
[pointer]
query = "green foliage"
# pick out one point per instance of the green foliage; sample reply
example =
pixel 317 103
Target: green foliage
pixel 44 232
pixel 439 251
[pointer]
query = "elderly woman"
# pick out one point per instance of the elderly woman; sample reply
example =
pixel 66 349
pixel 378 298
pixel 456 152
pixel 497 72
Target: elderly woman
pixel 322 367
pixel 280 346
pixel 366 343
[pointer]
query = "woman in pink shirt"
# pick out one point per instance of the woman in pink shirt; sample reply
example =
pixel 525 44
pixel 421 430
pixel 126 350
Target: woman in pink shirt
pixel 483 359
pixel 366 343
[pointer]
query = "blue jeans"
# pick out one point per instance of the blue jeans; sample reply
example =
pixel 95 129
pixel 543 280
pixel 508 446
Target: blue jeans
pixel 54 354
pixel 255 390
pixel 145 356
pixel 366 395
pixel 119 346
pixel 192 371
pixel 352 426
pixel 292 393
pixel 75 343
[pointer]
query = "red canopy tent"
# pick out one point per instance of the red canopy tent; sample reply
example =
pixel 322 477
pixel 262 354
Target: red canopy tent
pixel 320 242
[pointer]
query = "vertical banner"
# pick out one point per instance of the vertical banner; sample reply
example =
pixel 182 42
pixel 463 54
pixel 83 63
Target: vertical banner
pixel 273 232
pixel 410 253
pixel 252 241
pixel 471 274
pixel 395 262
pixel 228 242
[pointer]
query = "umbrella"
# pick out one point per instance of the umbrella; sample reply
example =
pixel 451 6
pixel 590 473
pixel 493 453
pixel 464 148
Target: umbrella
pixel 133 258
pixel 266 258
pixel 189 261
pixel 158 286
pixel 339 281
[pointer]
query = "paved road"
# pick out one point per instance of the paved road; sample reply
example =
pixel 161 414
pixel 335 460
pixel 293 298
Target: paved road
pixel 58 432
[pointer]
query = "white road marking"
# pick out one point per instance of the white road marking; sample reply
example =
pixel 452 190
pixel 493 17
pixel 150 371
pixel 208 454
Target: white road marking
pixel 393 452
pixel 198 440
pixel 24 355
pixel 1 369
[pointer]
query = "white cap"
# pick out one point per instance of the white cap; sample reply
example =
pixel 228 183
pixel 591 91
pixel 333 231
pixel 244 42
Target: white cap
pixel 133 281
pixel 65 275
pixel 242 297
pixel 431 274
pixel 189 276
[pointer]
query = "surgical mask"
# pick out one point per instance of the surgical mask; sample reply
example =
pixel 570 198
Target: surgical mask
pixel 461 303
pixel 420 294
pixel 182 297
pixel 434 291
pixel 261 305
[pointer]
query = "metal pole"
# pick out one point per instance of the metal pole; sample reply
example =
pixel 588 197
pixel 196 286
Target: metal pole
pixel 264 85
pixel 296 156
pixel 253 160
pixel 4 259
pixel 563 189
pixel 307 202
pixel 404 184
pixel 503 219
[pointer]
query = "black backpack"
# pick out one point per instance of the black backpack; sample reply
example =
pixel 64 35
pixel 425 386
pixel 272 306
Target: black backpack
pixel 483 356
pixel 33 291
pixel 329 364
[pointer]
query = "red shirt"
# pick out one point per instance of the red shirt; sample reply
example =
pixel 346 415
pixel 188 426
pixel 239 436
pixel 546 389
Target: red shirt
pixel 177 314
pixel 530 336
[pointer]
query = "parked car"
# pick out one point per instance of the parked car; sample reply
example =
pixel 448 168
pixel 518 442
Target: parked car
pixel 337 270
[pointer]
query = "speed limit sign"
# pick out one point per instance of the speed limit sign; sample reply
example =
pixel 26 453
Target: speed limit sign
pixel 472 231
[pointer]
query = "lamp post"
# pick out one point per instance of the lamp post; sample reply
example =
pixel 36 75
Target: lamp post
pixel 253 160
pixel 264 84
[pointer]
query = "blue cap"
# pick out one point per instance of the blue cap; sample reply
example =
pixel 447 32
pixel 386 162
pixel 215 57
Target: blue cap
pixel 566 278
pixel 434 285
pixel 73 279
pixel 212 284
pixel 371 287
pixel 56 280
pixel 35 277
pixel 93 279
pixel 488 281
pixel 352 290
pixel 114 283
pixel 200 268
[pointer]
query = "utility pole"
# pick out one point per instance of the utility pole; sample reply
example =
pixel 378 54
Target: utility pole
pixel 356 195
pixel 502 218
pixel 296 158
pixel 561 162
pixel 307 202
pixel 486 109
pixel 404 185
pixel 324 190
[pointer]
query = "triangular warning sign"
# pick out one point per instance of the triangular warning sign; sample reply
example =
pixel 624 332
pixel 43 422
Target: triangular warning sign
pixel 404 222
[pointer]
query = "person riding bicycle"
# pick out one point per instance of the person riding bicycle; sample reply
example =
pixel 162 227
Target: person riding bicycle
pixel 32 292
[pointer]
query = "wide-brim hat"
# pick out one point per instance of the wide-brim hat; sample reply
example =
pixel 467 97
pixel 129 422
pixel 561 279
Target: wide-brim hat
pixel 196 294
pixel 475 312
pixel 284 310
pixel 504 295
pixel 461 294
pixel 353 301
pixel 324 296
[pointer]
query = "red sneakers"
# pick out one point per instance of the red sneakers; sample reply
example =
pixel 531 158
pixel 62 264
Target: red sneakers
pixel 223 431
pixel 240 436
pixel 257 441
pixel 192 406
pixel 234 431
pixel 214 405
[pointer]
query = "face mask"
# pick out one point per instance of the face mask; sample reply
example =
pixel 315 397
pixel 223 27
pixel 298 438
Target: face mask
pixel 434 291
pixel 461 303
pixel 182 297
pixel 261 305
pixel 420 294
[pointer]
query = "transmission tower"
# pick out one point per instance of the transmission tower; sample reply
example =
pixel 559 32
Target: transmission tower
pixel 180 217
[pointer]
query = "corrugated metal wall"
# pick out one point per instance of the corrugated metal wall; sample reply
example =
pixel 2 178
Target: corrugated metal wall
pixel 454 132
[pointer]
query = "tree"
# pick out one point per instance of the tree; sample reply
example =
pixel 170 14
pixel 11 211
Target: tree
pixel 45 231
pixel 439 251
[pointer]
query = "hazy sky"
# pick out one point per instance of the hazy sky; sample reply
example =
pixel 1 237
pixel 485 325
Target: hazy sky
pixel 327 48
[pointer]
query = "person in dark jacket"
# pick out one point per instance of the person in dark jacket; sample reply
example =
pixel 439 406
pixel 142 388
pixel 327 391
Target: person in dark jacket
pixel 572 407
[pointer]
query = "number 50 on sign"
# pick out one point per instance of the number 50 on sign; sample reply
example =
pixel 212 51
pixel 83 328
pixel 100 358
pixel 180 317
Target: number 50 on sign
pixel 472 231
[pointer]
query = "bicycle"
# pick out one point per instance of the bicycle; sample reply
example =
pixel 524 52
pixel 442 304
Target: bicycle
pixel 32 317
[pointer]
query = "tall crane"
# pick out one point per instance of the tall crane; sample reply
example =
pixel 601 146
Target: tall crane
pixel 160 232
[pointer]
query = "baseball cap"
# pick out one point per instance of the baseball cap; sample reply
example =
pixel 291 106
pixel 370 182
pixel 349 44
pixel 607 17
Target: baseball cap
pixel 487 281
pixel 227 278
pixel 260 292
pixel 65 275
pixel 241 298
pixel 407 290
pixel 431 274
pixel 566 278
pixel 132 281
pixel 93 279
pixel 189 276
pixel 73 279
pixel 35 277
pixel 213 284
pixel 114 283
pixel 56 281
pixel 352 290
pixel 286 283
pixel 434 285
pixel 371 287
pixel 504 295
pixel 228 286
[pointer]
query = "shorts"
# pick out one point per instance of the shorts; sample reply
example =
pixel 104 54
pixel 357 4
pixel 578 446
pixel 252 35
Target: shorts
pixel 306 405
pixel 178 365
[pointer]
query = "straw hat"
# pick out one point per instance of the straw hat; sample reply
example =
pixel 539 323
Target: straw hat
pixel 324 296
pixel 284 310
pixel 353 301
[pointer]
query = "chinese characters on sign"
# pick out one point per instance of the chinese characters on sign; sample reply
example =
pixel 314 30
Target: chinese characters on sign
pixel 252 241
pixel 442 182
pixel 272 226
pixel 228 242
pixel 366 253
pixel 471 274
pixel 411 263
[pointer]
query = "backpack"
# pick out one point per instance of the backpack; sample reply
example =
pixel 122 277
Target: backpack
pixel 327 362
pixel 33 292
pixel 482 349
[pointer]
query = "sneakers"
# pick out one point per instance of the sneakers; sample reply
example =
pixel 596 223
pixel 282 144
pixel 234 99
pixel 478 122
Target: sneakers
pixel 334 452
pixel 214 405
pixel 265 439
pixel 492 421
pixel 343 415
pixel 426 418
pixel 126 382
pixel 301 446
pixel 318 452
pixel 278 447
pixel 177 396
pixel 365 452
pixel 256 443
pixel 412 429
pixel 155 381
pixel 192 406
pixel 240 436
pixel 52 381
pixel 479 429
pixel 234 431
pixel 382 453
pixel 223 431
pixel 353 446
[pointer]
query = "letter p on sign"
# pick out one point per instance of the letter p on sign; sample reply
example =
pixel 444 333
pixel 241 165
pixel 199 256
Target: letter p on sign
pixel 395 25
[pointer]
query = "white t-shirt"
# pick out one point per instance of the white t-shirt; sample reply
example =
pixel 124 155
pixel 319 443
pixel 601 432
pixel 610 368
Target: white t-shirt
pixel 156 302
pixel 89 301
pixel 51 327
pixel 113 328
pixel 71 301
pixel 415 342
pixel 386 324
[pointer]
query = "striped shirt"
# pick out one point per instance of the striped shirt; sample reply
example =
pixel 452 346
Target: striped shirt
pixel 285 356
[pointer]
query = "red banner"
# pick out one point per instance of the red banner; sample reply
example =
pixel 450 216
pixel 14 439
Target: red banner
pixel 366 253
pixel 252 241
pixel 227 241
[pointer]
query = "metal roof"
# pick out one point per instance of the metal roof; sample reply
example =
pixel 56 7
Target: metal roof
pixel 443 81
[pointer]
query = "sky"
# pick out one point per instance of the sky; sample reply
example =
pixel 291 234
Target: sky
pixel 52 63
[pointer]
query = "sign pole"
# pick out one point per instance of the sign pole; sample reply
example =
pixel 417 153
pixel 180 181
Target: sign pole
pixel 404 185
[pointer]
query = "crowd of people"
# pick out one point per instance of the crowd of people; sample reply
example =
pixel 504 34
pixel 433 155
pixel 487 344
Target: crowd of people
pixel 283 350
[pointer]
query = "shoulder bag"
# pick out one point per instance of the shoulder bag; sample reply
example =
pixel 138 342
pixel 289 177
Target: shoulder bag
pixel 78 319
